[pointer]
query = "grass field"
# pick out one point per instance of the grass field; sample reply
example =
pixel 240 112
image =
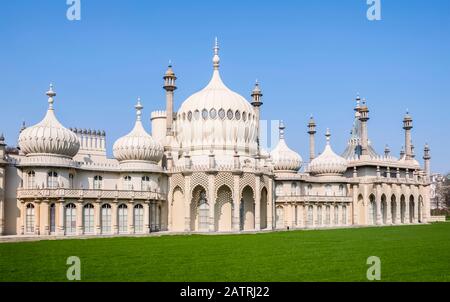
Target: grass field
pixel 409 253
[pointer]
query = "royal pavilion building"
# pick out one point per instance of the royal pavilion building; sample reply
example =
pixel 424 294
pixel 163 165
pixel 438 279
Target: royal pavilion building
pixel 202 169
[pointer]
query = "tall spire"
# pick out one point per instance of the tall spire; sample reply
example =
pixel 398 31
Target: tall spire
pixel 281 127
pixel 328 136
pixel 51 94
pixel 216 58
pixel 139 108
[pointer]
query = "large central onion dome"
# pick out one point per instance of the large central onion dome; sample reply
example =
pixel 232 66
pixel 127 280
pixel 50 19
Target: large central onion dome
pixel 328 163
pixel 283 158
pixel 138 145
pixel 217 119
pixel 49 137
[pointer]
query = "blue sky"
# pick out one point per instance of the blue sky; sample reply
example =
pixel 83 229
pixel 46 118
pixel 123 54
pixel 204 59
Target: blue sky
pixel 311 56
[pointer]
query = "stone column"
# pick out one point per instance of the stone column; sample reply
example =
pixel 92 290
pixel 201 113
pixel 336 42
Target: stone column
pixel 45 210
pixel 355 205
pixel 114 218
pixel 97 219
pixel 146 218
pixel 130 217
pixel 257 203
pixel 80 229
pixel 270 207
pixel 187 204
pixel 388 211
pixel 23 218
pixel 378 204
pixel 236 204
pixel 61 217
pixel 37 227
pixel 211 202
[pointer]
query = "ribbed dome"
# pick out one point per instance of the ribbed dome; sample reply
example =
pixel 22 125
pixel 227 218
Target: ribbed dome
pixel 328 163
pixel 138 145
pixel 283 158
pixel 49 136
pixel 217 118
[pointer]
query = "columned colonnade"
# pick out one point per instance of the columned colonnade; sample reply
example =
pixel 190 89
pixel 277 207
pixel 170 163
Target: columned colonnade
pixel 72 217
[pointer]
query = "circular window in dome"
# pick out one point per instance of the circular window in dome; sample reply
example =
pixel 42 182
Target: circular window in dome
pixel 196 114
pixel 249 116
pixel 237 115
pixel 244 116
pixel 222 114
pixel 204 114
pixel 213 113
pixel 184 116
pixel 190 116
pixel 230 114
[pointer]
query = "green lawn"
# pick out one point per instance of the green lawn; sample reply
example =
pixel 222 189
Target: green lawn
pixel 410 253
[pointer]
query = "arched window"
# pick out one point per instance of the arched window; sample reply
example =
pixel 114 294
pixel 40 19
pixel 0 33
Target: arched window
pixel 237 115
pixel 344 215
pixel 221 114
pixel 308 190
pixel 336 215
pixel 319 215
pixel 213 113
pixel 145 183
pixel 127 184
pixel 327 215
pixel 139 218
pixel 106 219
pixel 71 178
pixel 328 190
pixel 309 220
pixel 279 189
pixel 293 188
pixel 204 114
pixel 372 211
pixel 341 190
pixel 230 114
pixel 71 219
pixel 52 180
pixel 123 218
pixel 52 218
pixel 29 227
pixel 31 180
pixel 88 219
pixel 98 182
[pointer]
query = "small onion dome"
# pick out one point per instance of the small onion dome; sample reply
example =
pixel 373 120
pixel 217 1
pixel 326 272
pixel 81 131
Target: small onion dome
pixel 283 158
pixel 49 136
pixel 138 145
pixel 328 163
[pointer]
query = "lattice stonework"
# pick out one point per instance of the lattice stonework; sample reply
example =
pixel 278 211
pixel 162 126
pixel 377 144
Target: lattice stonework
pixel 223 178
pixel 247 179
pixel 199 179
pixel 177 180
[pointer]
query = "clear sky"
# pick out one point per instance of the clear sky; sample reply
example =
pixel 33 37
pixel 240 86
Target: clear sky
pixel 311 56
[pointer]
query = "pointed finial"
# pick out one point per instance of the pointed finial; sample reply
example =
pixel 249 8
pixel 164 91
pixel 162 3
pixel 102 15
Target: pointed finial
pixel 281 127
pixel 328 136
pixel 139 108
pixel 358 102
pixel 216 58
pixel 2 138
pixel 51 94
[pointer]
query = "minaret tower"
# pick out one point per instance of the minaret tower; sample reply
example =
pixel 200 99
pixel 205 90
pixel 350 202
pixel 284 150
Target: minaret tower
pixel 407 126
pixel 426 159
pixel 257 103
pixel 312 142
pixel 364 118
pixel 169 87
pixel 2 183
